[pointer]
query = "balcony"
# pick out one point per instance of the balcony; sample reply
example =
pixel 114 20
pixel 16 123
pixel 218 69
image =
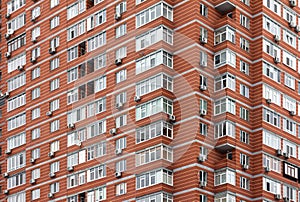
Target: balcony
pixel 225 144
pixel 225 7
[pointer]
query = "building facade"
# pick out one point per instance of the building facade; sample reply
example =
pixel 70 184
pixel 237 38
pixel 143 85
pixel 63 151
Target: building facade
pixel 150 100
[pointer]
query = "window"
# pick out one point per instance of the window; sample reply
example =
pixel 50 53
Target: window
pixel 224 34
pixel 35 113
pixel 289 148
pixel 13 63
pixel 202 176
pixel 225 128
pixel 76 179
pixel 154 130
pixel 289 192
pixel 54 146
pixel 35 93
pixel 224 57
pixel 54 22
pixel 96 173
pixel 121 98
pixel 16 82
pixel 271 49
pixel 121 30
pixel 14 5
pixel 54 43
pixel 96 150
pixel 35 53
pixel 154 153
pixel 16 43
pixel 96 41
pixel 76 30
pixel 290 170
pixel 203 10
pixel 16 102
pixel 17 22
pixel 121 76
pixel 35 33
pixel 36 173
pixel 98 194
pixel 16 180
pixel 271 140
pixel 272 163
pixel 121 143
pixel 36 12
pixel 53 3
pixel 244 137
pixel 153 83
pixel 271 72
pixel 121 121
pixel 271 186
pixel 289 81
pixel 203 81
pixel 54 167
pixel 159 196
pixel 54 84
pixel 225 176
pixel 35 73
pixel 247 2
pixel 160 33
pixel 20 196
pixel 16 140
pixel 16 121
pixel 289 38
pixel 75 9
pixel 153 107
pixel 271 117
pixel 244 90
pixel 203 129
pixel 121 166
pixel 271 26
pixel 244 159
pixel 154 12
pixel 273 5
pixel 35 154
pixel 244 44
pixel 203 104
pixel 54 126
pixel 203 59
pixel 154 177
pixel 35 133
pixel 244 183
pixel 289 15
pixel 35 194
pixel 121 188
pixel 100 61
pixel 16 161
pixel 154 59
pixel 224 105
pixel 244 21
pixel 54 188
pixel 273 94
pixel 96 19
pixel 289 103
pixel 54 105
pixel 225 81
pixel 76 115
pixel 121 52
pixel 244 114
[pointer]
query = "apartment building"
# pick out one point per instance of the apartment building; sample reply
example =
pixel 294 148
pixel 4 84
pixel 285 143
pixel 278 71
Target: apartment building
pixel 150 100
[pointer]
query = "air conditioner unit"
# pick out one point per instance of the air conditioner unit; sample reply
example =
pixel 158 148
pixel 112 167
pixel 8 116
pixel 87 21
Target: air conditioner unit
pixel 292 113
pixel 276 59
pixel 71 125
pixel 202 183
pixel 32 160
pixel 279 152
pixel 52 175
pixel 276 38
pixel 8 151
pixel 203 63
pixel 293 24
pixel 49 113
pixel 203 87
pixel 118 174
pixel 172 118
pixel 33 59
pixel 113 131
pixel 203 40
pixel 269 101
pixel 203 112
pixel 202 158
pixel 6 94
pixel 70 168
pixel 7 54
pixel 118 61
pixel 7 15
pixel 297 28
pixel 137 98
pixel 34 39
pixel 50 195
pixel 51 154
pixel 245 166
pixel 118 151
pixel 52 50
pixel 292 3
pixel 277 196
pixel 286 155
pixel 118 16
pixel 10 31
pixel 78 143
pixel 6 191
pixel 6 175
pixel 286 199
pixel 119 105
pixel 7 36
pixel 32 181
pixel 267 169
pixel 21 67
